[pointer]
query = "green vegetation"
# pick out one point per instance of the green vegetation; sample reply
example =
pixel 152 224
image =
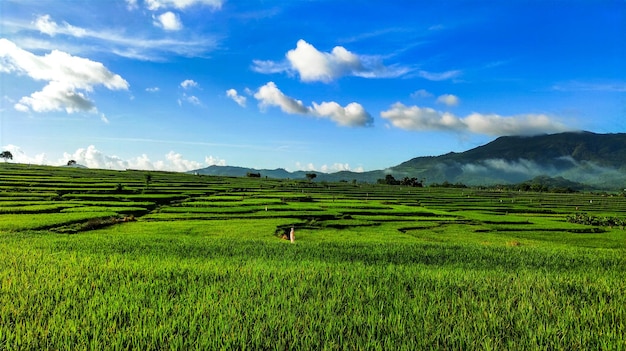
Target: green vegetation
pixel 177 261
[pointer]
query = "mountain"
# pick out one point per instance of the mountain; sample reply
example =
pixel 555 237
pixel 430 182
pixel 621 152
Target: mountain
pixel 597 160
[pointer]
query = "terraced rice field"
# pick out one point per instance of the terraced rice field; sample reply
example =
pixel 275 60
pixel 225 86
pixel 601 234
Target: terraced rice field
pixel 96 259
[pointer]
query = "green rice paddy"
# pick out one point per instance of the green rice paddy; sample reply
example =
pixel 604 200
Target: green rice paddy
pixel 106 260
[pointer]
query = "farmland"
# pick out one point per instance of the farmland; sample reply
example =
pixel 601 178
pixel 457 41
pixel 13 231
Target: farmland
pixel 97 259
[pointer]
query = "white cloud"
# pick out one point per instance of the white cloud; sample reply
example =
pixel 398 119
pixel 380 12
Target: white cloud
pixel 335 167
pixel 21 108
pixel 421 119
pixel 214 161
pixel 351 115
pixel 56 96
pixel 192 99
pixel 240 100
pixel 94 158
pixel 268 67
pixel 119 42
pixel 448 99
pixel 439 76
pixel 19 156
pixel 313 65
pixel 68 77
pixel 152 89
pixel 47 26
pixel 131 5
pixel 422 93
pixel 168 21
pixel 182 4
pixel 188 84
pixel 270 95
pixel 175 161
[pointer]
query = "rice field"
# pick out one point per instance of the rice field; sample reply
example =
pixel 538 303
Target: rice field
pixel 106 260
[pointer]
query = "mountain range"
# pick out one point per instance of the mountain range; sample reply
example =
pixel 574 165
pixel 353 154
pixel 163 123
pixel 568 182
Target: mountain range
pixel 595 160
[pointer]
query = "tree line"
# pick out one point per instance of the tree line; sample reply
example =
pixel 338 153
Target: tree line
pixel 390 180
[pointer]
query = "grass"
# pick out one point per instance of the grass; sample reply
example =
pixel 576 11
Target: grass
pixel 373 267
pixel 19 222
pixel 210 291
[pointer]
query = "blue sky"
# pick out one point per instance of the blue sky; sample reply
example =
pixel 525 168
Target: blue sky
pixel 312 85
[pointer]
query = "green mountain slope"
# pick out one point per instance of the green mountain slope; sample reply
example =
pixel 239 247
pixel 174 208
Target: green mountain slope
pixel 595 159
pixel 598 160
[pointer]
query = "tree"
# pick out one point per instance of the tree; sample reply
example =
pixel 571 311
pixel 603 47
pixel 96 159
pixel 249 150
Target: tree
pixel 71 162
pixel 412 182
pixel 6 155
pixel 389 180
pixel 310 176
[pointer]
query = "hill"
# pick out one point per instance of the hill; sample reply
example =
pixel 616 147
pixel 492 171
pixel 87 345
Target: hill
pixel 593 159
pixel 596 160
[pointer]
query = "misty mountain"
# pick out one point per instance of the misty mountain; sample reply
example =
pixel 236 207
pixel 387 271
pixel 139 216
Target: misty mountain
pixel 597 160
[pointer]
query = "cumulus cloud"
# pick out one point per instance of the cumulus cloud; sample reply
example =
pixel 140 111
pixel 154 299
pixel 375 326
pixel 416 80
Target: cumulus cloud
pixel 19 156
pixel 188 84
pixel 448 99
pixel 182 4
pixel 168 21
pixel 313 65
pixel 270 95
pixel 214 161
pixel 240 100
pixel 424 118
pixel 335 167
pixel 152 89
pixel 175 161
pixel 56 96
pixel 339 167
pixel 93 158
pixel 351 115
pixel 68 77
